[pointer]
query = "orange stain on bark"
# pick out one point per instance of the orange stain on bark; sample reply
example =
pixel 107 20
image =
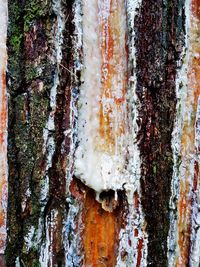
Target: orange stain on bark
pixel 114 74
pixel 195 8
pixel 187 186
pixel 100 236
pixel 184 224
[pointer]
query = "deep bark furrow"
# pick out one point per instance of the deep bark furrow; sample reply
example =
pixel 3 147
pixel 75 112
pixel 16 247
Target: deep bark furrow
pixel 158 35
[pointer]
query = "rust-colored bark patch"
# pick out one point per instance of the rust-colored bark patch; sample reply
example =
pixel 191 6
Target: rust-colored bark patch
pixel 101 231
pixel 114 86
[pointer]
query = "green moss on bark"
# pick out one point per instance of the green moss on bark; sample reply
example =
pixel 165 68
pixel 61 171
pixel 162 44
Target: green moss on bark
pixel 30 79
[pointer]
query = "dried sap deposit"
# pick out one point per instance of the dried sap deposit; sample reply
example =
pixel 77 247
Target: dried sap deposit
pixel 103 129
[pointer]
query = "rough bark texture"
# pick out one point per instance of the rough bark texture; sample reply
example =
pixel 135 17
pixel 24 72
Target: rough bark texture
pixel 32 69
pixel 53 217
pixel 159 35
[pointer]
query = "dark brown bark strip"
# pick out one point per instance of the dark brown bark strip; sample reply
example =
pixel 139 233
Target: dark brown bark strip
pixel 159 29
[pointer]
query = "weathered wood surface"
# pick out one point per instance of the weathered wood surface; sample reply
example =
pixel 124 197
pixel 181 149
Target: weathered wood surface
pixel 103 133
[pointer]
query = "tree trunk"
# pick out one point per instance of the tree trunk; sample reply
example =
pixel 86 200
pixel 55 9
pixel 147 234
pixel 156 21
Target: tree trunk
pixel 100 133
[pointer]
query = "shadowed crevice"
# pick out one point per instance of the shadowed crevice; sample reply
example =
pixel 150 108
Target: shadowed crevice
pixel 159 29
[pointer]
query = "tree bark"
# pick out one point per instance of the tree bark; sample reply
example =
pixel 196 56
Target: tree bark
pixel 103 133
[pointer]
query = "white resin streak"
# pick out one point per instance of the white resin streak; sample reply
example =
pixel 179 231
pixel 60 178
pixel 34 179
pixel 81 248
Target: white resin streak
pixel 135 218
pixel 181 88
pixel 49 142
pixel 181 93
pixel 85 156
pixel 73 229
pixel 183 111
pixel 97 168
pixel 3 124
